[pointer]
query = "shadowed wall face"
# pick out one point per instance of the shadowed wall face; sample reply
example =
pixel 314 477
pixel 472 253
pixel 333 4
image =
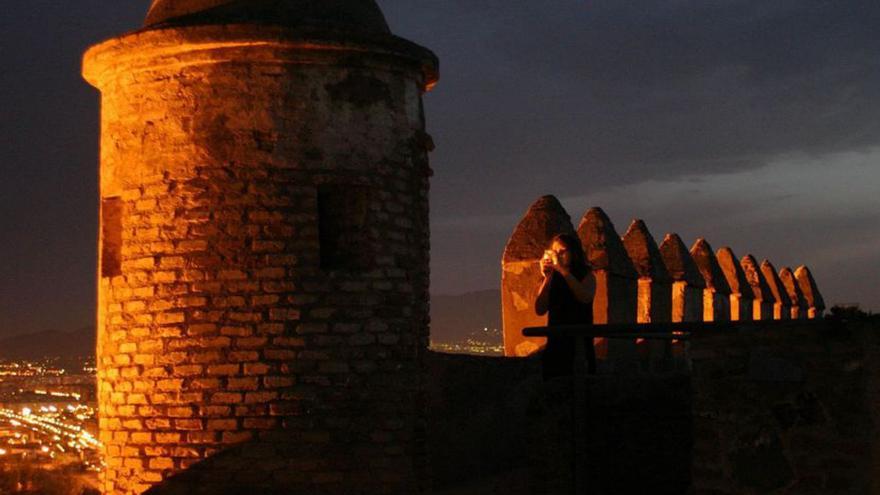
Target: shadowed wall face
pixel 264 264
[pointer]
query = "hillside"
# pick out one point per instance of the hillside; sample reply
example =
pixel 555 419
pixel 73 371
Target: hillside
pixel 52 343
pixel 456 317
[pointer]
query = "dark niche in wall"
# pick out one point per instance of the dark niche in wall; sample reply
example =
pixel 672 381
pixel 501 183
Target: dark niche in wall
pixel 343 213
pixel 111 237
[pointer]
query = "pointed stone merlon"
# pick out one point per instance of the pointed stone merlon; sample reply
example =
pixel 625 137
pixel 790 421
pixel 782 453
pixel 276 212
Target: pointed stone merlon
pixel 762 305
pixel 782 306
pixel 798 303
pixel 815 302
pixel 741 295
pixel 654 300
pixel 616 286
pixel 687 282
pixel 716 295
pixel 521 273
pixel 616 280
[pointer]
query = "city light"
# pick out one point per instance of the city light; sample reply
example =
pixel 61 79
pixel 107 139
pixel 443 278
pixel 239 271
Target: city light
pixel 48 417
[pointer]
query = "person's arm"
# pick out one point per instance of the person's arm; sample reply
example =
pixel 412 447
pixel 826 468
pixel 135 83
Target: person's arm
pixel 583 290
pixel 542 302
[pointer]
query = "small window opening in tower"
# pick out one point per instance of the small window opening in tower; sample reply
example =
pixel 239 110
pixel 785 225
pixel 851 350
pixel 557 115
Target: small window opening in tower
pixel 111 237
pixel 343 212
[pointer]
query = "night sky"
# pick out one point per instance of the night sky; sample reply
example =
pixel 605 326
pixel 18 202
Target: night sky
pixel 754 124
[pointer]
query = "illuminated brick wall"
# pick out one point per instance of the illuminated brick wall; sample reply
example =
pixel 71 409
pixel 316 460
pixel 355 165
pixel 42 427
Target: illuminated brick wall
pixel 263 278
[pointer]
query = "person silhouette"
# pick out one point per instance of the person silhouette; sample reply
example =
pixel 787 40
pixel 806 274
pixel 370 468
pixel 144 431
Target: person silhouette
pixel 566 296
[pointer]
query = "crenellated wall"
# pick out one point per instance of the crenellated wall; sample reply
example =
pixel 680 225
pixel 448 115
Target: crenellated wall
pixel 640 282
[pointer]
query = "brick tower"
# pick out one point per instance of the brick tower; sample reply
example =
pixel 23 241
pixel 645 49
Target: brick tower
pixel 263 264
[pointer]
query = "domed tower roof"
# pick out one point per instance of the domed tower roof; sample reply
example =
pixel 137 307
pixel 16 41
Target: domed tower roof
pixel 709 267
pixel 602 245
pixel 362 16
pixel 545 219
pixel 679 262
pixel 644 253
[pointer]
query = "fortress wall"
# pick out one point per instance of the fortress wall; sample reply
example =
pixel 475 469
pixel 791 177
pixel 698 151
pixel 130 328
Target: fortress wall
pixel 792 409
pixel 515 436
pixel 761 412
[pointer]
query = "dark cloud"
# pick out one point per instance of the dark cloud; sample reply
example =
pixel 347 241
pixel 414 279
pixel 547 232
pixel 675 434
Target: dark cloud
pixel 541 96
pixel 609 93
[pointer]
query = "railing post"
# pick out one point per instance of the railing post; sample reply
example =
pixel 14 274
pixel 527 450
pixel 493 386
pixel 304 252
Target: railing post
pixel 579 409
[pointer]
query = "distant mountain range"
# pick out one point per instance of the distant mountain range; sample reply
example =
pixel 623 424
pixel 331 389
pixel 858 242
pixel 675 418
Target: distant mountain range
pixel 50 343
pixel 454 318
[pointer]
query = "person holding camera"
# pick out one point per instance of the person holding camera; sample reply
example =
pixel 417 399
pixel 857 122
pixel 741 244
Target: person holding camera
pixel 566 297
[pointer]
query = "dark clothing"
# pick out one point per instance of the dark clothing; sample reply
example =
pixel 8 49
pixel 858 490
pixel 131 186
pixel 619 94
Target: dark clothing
pixel 565 309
